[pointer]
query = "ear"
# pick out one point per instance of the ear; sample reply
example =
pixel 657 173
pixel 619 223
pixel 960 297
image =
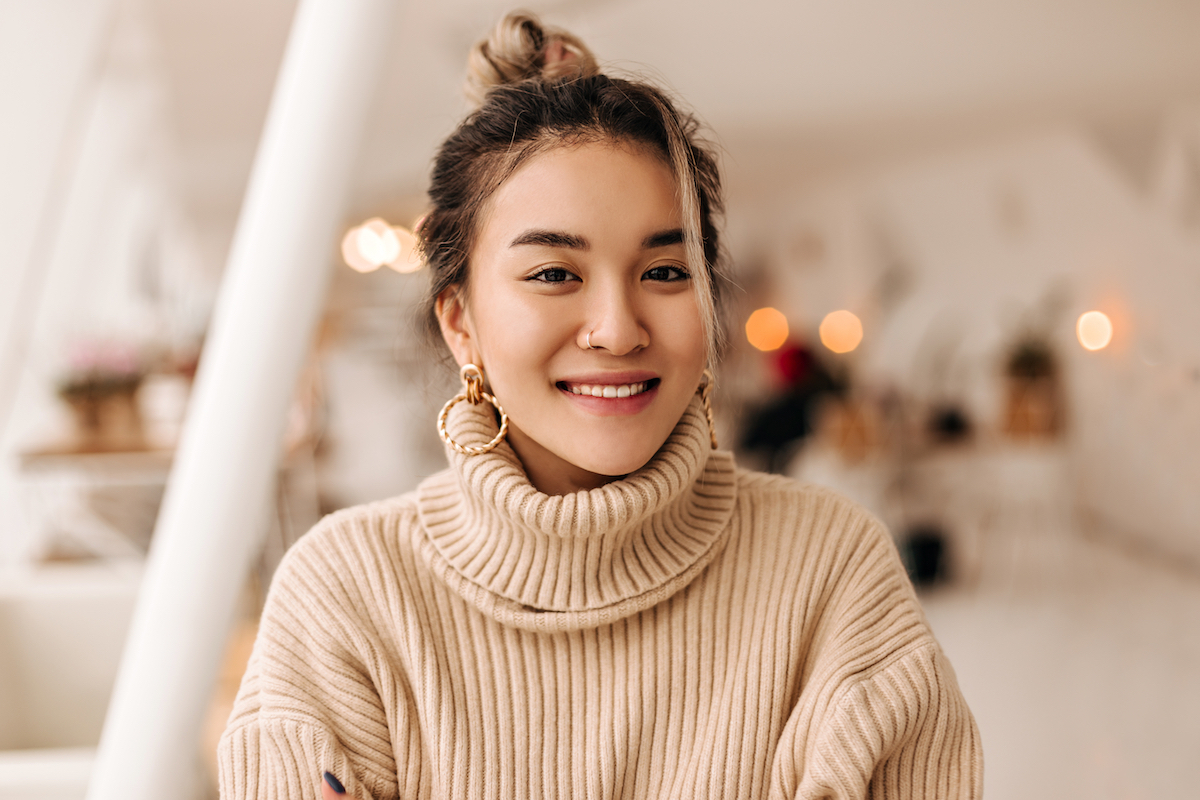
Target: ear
pixel 455 321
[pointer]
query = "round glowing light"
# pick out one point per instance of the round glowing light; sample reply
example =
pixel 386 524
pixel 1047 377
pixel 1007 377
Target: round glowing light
pixel 377 241
pixel 841 331
pixel 407 259
pixel 767 329
pixel 1094 330
pixel 352 253
pixel 371 245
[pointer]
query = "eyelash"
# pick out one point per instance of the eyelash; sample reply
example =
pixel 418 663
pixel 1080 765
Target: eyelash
pixel 681 274
pixel 540 275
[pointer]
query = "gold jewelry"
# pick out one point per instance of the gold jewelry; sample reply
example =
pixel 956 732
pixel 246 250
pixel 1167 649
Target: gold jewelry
pixel 706 384
pixel 473 393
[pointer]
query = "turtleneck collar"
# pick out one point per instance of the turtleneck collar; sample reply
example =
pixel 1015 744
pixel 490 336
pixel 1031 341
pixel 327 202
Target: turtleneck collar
pixel 564 562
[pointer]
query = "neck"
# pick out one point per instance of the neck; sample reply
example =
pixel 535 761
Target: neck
pixel 574 559
pixel 548 472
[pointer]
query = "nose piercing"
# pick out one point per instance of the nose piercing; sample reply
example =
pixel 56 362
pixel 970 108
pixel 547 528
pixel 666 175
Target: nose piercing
pixel 591 346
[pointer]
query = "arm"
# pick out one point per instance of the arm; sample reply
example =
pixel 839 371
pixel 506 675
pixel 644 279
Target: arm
pixel 902 732
pixel 880 713
pixel 317 695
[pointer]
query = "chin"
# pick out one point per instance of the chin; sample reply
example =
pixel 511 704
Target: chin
pixel 614 450
pixel 604 455
pixel 615 467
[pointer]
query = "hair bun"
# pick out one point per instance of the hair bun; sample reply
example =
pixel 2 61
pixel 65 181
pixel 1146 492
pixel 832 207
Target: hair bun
pixel 520 48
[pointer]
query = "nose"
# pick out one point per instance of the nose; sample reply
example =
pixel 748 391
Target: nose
pixel 613 322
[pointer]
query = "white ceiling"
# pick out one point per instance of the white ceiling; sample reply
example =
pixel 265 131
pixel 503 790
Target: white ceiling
pixel 790 88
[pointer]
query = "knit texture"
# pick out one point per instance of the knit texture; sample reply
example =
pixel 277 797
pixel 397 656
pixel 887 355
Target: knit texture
pixel 690 631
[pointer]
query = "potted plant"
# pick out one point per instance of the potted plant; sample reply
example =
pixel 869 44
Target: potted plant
pixel 101 389
pixel 1033 400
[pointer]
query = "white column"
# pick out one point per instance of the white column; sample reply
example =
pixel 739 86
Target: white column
pixel 271 297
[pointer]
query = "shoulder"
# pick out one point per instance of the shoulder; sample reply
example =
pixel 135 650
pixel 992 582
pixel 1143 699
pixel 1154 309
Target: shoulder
pixel 349 527
pixel 764 484
pixel 350 549
pixel 787 507
pixel 334 595
pixel 835 553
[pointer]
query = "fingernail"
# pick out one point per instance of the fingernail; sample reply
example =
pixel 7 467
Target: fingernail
pixel 334 783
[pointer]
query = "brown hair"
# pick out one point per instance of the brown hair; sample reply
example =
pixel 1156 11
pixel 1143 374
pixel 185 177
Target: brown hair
pixel 540 88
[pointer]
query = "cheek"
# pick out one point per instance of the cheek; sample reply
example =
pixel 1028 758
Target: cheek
pixel 681 331
pixel 517 338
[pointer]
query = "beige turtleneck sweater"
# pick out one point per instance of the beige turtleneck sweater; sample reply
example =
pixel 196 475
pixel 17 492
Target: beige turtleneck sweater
pixel 690 631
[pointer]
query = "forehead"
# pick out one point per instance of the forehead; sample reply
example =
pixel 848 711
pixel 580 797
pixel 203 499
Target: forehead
pixel 586 188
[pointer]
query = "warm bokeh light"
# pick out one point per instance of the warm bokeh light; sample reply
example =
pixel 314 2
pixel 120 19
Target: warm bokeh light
pixel 841 331
pixel 767 329
pixel 1094 330
pixel 377 242
pixel 369 246
pixel 352 255
pixel 407 260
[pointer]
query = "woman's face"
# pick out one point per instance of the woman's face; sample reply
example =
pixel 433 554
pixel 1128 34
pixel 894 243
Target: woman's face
pixel 585 239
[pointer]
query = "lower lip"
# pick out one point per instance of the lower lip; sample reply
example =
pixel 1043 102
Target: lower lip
pixel 613 406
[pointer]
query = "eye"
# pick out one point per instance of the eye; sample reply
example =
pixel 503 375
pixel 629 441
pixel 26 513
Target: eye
pixel 666 273
pixel 552 275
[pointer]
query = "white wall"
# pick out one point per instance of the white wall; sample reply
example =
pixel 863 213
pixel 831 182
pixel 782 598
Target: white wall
pixel 93 245
pixel 1001 236
pixel 48 72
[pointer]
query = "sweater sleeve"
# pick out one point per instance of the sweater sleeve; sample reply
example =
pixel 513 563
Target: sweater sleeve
pixel 903 732
pixel 881 714
pixel 315 691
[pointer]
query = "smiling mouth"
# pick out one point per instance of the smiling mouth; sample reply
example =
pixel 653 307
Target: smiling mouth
pixel 609 390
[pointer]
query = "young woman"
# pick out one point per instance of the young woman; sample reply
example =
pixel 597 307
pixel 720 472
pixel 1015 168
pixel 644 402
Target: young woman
pixel 593 601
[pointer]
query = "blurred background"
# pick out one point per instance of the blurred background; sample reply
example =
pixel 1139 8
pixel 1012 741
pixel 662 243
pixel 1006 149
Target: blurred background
pixel 966 244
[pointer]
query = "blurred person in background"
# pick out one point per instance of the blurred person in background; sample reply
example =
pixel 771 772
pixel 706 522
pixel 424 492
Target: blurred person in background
pixel 592 601
pixel 777 428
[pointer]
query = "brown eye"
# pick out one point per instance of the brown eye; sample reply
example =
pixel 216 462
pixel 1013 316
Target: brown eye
pixel 666 274
pixel 552 275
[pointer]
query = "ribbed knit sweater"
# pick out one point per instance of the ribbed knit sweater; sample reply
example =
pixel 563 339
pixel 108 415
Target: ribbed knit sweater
pixel 689 631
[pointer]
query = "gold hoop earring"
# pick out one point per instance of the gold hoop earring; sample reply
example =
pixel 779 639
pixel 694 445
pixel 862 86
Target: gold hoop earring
pixel 705 388
pixel 473 393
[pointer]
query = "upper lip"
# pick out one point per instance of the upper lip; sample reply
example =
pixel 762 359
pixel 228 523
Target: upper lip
pixel 610 378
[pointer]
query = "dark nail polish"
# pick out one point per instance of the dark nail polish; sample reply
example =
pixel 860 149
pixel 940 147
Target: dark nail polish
pixel 334 783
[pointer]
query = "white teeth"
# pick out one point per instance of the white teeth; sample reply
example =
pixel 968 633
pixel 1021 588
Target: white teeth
pixel 627 390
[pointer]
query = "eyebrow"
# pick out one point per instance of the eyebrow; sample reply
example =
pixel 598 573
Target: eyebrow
pixel 570 241
pixel 663 239
pixel 543 238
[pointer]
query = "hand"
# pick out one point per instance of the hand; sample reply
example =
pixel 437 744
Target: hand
pixel 332 789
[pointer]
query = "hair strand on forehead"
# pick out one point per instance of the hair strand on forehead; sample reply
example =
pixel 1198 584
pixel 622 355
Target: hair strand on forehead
pixel 683 168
